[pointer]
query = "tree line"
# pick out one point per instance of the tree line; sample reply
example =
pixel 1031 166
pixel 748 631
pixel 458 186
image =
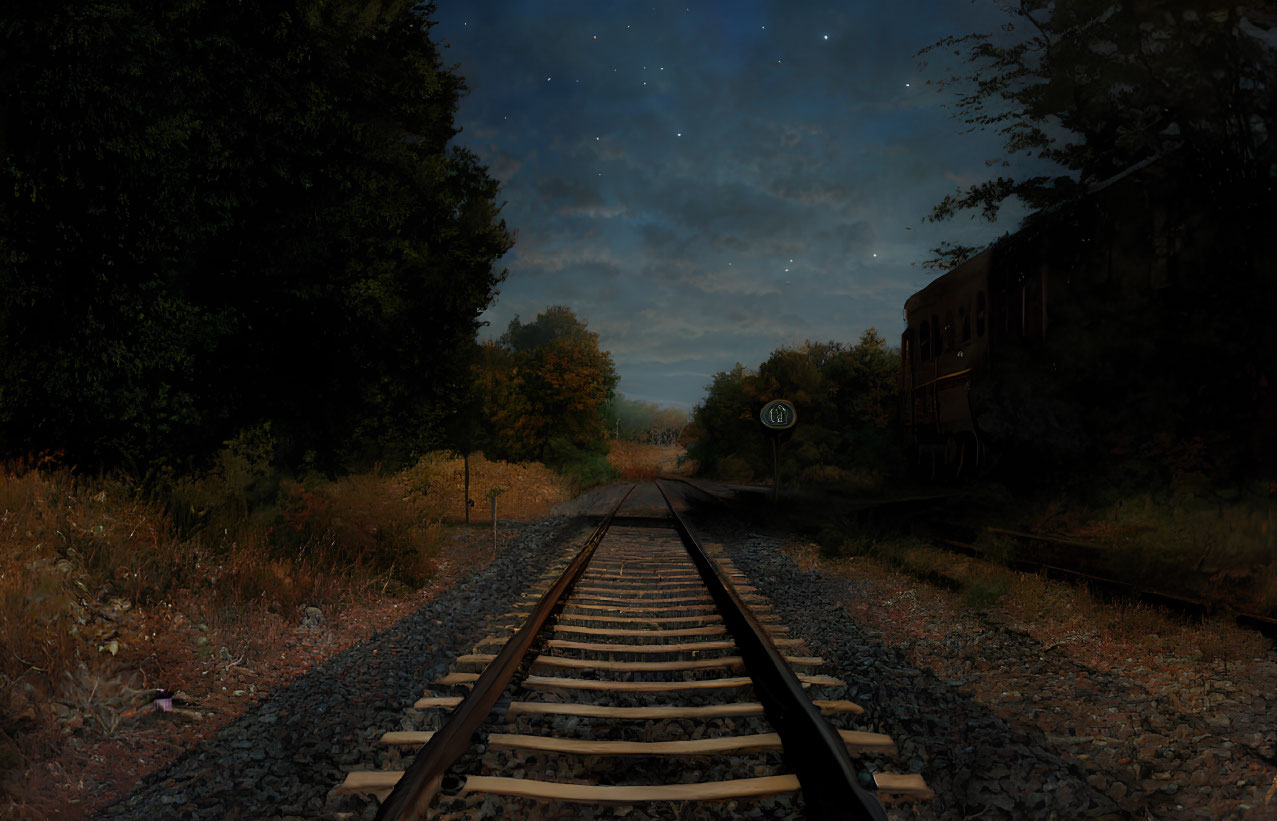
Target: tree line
pixel 247 225
pixel 633 420
pixel 847 403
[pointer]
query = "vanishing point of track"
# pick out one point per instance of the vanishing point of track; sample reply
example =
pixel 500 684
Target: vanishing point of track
pixel 644 634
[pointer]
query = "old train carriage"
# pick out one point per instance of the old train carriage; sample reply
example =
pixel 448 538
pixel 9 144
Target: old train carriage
pixel 1129 313
pixel 947 338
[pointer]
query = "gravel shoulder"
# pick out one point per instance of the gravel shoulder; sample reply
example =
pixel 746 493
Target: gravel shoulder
pixel 1012 720
pixel 1005 718
pixel 281 759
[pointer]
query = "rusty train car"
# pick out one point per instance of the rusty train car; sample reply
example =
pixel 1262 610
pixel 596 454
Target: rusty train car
pixel 1127 314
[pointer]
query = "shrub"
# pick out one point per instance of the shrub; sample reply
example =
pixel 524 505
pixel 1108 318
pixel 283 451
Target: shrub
pixel 367 519
pixel 857 479
pixel 587 471
pixel 733 468
pixel 984 590
pixel 238 492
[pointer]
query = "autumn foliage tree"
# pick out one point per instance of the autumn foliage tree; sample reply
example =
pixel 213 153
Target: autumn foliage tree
pixel 542 389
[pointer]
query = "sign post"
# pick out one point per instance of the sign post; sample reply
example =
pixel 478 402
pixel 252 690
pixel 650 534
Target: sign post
pixel 777 416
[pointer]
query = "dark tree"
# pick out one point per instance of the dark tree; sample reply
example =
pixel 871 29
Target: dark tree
pixel 845 398
pixel 219 216
pixel 723 436
pixel 1098 87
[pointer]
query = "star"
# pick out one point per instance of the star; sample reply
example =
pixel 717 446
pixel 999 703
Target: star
pixel 826 36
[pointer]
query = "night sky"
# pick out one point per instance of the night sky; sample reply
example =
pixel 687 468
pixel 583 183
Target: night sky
pixel 705 183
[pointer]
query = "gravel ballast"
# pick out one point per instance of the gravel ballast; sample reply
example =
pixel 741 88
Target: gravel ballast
pixel 1006 725
pixel 1050 741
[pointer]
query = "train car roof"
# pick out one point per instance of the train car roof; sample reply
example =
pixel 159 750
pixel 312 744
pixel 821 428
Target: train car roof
pixel 959 277
pixel 956 279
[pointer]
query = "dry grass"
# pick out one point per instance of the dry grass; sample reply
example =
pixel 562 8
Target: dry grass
pixel 1056 612
pixel 1213 546
pixel 524 490
pixel 104 598
pixel 639 462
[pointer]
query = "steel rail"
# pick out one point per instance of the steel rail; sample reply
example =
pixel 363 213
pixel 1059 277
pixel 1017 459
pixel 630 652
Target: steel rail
pixel 411 797
pixel 812 747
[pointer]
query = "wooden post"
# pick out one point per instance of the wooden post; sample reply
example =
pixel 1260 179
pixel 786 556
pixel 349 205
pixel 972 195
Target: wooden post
pixel 775 467
pixel 465 459
pixel 492 498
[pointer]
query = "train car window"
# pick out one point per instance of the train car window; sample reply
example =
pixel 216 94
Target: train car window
pixel 935 336
pixel 924 343
pixel 950 332
pixel 980 308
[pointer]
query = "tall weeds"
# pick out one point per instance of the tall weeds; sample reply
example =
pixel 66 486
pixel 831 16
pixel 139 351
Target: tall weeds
pixel 93 570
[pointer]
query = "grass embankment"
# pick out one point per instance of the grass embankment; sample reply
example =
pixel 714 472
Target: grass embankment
pixel 1055 612
pixel 1217 552
pixel 109 592
pixel 1218 547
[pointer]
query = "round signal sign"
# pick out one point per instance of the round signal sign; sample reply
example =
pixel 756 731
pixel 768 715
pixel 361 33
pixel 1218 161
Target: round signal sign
pixel 778 414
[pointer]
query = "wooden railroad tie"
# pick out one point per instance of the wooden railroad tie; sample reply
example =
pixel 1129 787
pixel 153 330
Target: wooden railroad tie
pixel 723 662
pixel 891 787
pixel 776 640
pixel 551 682
pixel 758 742
pixel 703 617
pixel 615 609
pixel 382 782
pixel 747 708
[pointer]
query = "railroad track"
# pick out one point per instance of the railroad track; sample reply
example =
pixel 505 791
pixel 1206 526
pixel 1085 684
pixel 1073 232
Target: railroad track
pixel 646 664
